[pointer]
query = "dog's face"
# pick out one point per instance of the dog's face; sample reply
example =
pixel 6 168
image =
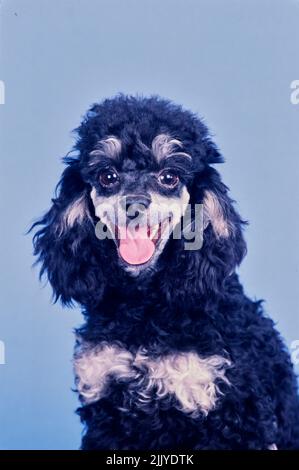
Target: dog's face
pixel 139 194
pixel 141 168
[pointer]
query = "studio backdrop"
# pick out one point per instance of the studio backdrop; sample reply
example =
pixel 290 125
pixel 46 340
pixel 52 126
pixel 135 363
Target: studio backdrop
pixel 234 63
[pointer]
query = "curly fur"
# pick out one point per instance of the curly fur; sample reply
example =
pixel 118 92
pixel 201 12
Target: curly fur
pixel 186 313
pixel 188 378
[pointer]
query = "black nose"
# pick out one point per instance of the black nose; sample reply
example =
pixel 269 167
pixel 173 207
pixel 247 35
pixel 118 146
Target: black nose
pixel 135 204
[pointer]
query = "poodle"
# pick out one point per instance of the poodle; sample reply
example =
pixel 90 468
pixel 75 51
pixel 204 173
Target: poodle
pixel 143 235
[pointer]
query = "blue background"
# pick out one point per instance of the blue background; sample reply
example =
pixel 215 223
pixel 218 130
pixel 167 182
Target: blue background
pixel 232 62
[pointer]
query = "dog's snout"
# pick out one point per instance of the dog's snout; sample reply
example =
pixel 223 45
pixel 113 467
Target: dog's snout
pixel 135 204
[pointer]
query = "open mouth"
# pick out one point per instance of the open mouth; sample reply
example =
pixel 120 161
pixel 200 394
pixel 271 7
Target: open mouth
pixel 137 244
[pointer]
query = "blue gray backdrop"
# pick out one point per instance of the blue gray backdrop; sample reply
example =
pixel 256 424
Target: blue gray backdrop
pixel 232 62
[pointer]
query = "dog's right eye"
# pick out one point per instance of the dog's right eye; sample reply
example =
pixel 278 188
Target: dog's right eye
pixel 109 178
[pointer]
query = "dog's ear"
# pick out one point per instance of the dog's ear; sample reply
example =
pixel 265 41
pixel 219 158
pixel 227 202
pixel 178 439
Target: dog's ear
pixel 66 245
pixel 211 154
pixel 223 243
pixel 205 270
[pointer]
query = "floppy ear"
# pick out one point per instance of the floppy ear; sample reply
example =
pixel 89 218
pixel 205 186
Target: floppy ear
pixel 223 244
pixel 204 271
pixel 66 245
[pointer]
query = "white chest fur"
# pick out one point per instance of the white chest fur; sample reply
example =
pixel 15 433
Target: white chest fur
pixel 192 380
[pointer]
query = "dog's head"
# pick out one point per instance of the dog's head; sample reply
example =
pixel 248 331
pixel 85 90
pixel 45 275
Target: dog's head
pixel 139 197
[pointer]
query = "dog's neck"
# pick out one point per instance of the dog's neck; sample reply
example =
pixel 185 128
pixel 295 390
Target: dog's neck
pixel 163 287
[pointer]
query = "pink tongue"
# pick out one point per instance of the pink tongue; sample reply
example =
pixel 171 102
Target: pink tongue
pixel 135 246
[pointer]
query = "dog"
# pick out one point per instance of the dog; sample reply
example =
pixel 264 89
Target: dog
pixel 143 235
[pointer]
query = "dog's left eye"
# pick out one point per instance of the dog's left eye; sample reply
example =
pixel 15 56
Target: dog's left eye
pixel 109 177
pixel 168 178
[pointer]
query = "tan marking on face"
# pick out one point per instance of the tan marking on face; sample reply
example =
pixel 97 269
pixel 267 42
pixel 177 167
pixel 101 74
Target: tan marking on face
pixel 163 146
pixel 104 205
pixel 170 204
pixel 109 147
pixel 76 212
pixel 213 214
pixel 160 207
pixel 111 212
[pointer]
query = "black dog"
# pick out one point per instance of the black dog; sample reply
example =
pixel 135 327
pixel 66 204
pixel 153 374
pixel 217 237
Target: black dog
pixel 172 355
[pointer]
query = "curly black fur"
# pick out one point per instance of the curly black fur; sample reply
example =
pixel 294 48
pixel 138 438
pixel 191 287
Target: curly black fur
pixel 191 300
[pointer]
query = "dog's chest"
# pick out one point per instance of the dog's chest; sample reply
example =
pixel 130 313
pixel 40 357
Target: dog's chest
pixel 189 382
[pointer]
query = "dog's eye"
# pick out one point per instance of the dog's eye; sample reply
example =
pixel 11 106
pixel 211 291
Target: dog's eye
pixel 109 177
pixel 168 178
